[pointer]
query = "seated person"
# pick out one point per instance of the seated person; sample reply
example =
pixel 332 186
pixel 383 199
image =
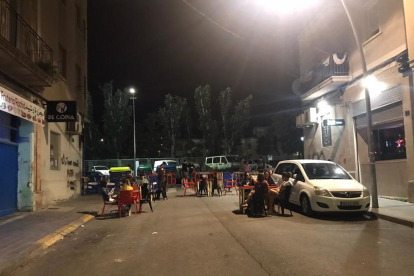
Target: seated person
pixel 248 180
pixel 107 194
pixel 128 182
pixel 203 185
pixel 215 186
pixel 259 184
pixel 268 179
pixel 275 192
pixel 143 180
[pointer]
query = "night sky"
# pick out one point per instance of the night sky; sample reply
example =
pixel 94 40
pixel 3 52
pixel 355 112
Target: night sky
pixel 165 46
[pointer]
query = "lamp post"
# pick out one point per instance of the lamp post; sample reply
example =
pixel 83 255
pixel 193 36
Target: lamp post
pixel 132 91
pixel 288 6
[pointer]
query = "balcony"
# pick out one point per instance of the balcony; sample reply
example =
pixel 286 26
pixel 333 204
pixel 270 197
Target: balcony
pixel 324 77
pixel 24 55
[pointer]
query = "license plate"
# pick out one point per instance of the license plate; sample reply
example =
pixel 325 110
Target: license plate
pixel 349 203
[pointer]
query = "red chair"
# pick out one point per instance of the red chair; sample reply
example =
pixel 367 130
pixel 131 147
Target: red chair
pixel 230 184
pixel 189 185
pixel 108 203
pixel 124 198
pixel 137 195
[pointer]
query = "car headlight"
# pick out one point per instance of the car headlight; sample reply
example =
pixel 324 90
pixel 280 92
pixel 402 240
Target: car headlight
pixel 365 192
pixel 321 191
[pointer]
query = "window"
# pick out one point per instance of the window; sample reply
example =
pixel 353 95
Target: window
pixel 8 127
pixel 54 151
pixel 216 160
pixel 371 19
pixel 62 61
pixel 285 167
pixel 209 160
pixel 389 143
pixel 324 171
pixel 223 160
pixel 78 78
pixel 79 17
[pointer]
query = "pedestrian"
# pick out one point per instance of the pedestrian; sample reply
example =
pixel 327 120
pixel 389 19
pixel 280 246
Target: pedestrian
pixel 260 164
pixel 162 177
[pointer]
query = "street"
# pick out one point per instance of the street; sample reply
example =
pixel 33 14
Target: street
pixel 207 236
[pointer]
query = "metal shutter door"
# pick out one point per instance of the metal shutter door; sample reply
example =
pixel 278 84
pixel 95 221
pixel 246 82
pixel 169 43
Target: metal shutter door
pixel 389 114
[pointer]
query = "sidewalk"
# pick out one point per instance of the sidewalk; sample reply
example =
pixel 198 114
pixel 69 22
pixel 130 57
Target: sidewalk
pixel 395 211
pixel 25 235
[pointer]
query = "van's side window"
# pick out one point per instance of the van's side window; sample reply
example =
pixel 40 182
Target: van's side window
pixel 285 167
pixel 209 160
pixel 223 160
pixel 216 160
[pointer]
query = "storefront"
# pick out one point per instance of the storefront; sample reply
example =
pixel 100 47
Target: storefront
pixel 17 119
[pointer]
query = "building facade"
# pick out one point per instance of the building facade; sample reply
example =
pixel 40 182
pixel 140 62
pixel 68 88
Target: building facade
pixel 43 58
pixel 332 91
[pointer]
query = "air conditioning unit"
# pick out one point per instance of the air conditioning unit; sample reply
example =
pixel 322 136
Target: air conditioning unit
pixel 310 117
pixel 299 121
pixel 75 128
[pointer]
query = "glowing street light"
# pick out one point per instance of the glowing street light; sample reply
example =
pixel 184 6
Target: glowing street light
pixel 375 87
pixel 102 139
pixel 284 6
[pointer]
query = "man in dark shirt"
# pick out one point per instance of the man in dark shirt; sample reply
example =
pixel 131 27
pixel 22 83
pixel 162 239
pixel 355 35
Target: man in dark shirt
pixel 162 177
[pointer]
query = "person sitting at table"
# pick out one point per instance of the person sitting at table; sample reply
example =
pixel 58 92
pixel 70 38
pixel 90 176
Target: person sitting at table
pixel 215 186
pixel 203 185
pixel 275 192
pixel 269 180
pixel 246 166
pixel 143 180
pixel 261 188
pixel 107 194
pixel 128 182
pixel 248 180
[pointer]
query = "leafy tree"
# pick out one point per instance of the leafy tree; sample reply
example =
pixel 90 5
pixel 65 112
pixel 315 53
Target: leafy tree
pixel 93 144
pixel 225 103
pixel 287 134
pixel 240 121
pixel 117 119
pixel 171 117
pixel 207 125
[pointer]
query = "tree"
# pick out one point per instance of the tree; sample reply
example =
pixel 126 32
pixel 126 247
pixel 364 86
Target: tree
pixel 207 125
pixel 287 134
pixel 240 121
pixel 171 117
pixel 225 103
pixel 117 119
pixel 93 144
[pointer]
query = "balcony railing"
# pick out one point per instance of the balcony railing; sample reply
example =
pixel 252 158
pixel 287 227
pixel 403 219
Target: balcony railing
pixel 21 36
pixel 336 65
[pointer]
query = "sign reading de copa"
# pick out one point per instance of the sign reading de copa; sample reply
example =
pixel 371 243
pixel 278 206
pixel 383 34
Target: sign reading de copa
pixel 61 111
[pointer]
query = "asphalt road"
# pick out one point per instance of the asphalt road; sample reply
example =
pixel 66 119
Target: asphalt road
pixel 193 236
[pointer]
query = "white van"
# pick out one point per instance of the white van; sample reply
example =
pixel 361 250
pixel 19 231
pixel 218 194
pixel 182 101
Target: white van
pixel 222 162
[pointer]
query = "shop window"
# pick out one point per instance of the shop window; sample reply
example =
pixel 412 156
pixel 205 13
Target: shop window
pixel 389 143
pixel 8 128
pixel 54 151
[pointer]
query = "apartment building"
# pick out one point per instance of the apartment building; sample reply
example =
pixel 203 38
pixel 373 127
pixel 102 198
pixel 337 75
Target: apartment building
pixel 43 65
pixel 332 91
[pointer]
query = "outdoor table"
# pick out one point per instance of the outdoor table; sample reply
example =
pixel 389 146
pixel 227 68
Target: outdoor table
pixel 208 181
pixel 242 193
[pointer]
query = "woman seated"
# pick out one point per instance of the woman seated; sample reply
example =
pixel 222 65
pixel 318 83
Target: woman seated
pixel 248 180
pixel 107 194
pixel 275 192
pixel 269 179
pixel 260 191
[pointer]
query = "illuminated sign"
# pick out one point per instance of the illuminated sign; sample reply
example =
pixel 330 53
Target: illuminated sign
pixel 334 122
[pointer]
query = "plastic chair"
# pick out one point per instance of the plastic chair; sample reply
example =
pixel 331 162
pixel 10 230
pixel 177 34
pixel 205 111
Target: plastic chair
pixel 108 203
pixel 189 185
pixel 146 197
pixel 230 184
pixel 124 198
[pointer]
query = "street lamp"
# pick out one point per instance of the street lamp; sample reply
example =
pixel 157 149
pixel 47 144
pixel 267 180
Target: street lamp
pixel 102 139
pixel 295 5
pixel 132 91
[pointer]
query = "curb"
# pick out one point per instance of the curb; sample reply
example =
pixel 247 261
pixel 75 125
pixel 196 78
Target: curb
pixel 41 245
pixel 401 221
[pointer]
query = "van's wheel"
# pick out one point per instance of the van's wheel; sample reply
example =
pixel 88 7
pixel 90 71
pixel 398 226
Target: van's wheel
pixel 306 206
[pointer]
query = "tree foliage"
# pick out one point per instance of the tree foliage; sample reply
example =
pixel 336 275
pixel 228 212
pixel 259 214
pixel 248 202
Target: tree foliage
pixel 287 134
pixel 93 144
pixel 240 121
pixel 208 126
pixel 225 104
pixel 171 118
pixel 117 118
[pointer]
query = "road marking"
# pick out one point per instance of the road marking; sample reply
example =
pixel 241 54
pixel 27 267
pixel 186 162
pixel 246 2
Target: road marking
pixel 12 219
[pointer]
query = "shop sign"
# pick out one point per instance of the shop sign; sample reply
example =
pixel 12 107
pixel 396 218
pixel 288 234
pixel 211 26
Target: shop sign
pixel 61 111
pixel 20 107
pixel 334 122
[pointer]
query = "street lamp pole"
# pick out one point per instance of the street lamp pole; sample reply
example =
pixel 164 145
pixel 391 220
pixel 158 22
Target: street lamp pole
pixel 371 155
pixel 132 91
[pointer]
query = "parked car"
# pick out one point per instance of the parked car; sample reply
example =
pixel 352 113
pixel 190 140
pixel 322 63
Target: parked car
pixel 222 162
pixel 102 169
pixel 273 163
pixel 323 186
pixel 171 165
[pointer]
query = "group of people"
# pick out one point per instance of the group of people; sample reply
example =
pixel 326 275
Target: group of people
pixel 244 165
pixel 261 188
pixel 187 169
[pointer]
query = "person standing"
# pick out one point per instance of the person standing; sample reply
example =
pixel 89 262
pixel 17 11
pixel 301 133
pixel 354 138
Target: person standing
pixel 190 169
pixel 184 170
pixel 162 177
